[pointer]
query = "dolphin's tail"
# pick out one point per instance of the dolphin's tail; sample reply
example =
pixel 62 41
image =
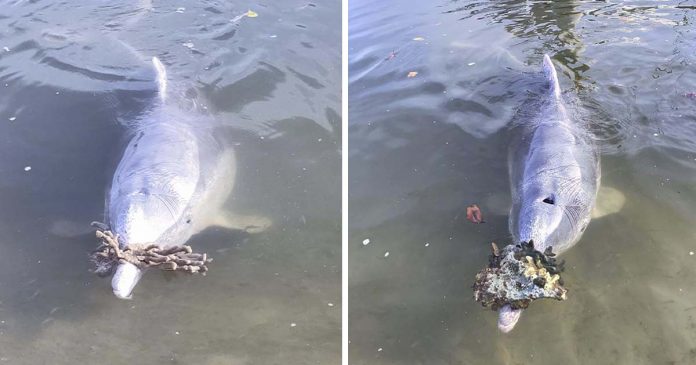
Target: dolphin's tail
pixel 551 76
pixel 161 77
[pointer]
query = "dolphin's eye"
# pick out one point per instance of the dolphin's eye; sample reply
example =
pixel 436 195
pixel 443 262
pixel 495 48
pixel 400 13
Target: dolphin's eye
pixel 549 200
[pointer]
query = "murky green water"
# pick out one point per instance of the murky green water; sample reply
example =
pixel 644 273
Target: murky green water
pixel 73 75
pixel 423 148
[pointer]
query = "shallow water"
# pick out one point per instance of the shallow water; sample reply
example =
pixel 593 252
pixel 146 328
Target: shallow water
pixel 74 75
pixel 423 148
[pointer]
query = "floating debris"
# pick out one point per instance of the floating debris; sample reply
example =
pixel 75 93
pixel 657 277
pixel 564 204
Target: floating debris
pixel 366 241
pixel 386 254
pixel 12 119
pixel 188 45
pixel 27 168
pixel 412 74
pixel 6 49
pixel 331 304
pixel 180 10
pixel 473 214
pixel 418 39
pixel 471 63
pixel 427 244
pixel 517 276
pixel 293 324
pixel 249 14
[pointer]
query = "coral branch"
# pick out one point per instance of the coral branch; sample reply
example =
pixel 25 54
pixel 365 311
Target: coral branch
pixel 176 258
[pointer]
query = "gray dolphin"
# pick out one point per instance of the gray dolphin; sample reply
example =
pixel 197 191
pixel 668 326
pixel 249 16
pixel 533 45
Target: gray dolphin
pixel 171 182
pixel 554 176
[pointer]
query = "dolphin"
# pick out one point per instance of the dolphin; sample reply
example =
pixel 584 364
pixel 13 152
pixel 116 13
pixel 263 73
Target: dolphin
pixel 554 174
pixel 171 182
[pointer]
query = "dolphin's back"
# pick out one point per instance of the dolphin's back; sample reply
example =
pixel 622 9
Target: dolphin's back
pixel 157 177
pixel 154 183
pixel 554 171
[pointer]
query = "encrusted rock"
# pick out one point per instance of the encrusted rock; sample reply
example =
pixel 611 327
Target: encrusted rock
pixel 518 275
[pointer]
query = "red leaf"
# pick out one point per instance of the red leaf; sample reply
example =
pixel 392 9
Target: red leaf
pixel 473 214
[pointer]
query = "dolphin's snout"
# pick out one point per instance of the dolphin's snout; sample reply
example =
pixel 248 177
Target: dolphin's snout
pixel 125 279
pixel 507 318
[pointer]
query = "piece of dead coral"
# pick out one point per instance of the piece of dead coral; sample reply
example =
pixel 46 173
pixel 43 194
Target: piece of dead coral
pixel 176 258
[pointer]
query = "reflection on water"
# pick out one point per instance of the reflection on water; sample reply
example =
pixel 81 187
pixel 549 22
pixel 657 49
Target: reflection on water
pixel 423 148
pixel 74 76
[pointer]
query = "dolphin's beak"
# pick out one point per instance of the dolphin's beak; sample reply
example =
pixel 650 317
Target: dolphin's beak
pixel 507 318
pixel 126 277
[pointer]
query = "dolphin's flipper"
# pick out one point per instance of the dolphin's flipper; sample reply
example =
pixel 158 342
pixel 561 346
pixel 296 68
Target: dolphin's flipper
pixel 247 223
pixel 161 77
pixel 609 201
pixel 212 211
pixel 552 77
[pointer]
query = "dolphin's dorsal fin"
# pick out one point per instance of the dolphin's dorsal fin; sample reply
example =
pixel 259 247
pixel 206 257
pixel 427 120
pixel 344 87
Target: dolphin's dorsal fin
pixel 161 77
pixel 551 76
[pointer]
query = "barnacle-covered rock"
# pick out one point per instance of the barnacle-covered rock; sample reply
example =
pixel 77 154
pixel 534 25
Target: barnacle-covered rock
pixel 517 276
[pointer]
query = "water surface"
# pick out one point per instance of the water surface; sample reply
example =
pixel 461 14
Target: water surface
pixel 73 76
pixel 423 148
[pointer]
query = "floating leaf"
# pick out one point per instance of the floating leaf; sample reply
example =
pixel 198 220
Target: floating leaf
pixel 412 74
pixel 251 14
pixel 473 214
